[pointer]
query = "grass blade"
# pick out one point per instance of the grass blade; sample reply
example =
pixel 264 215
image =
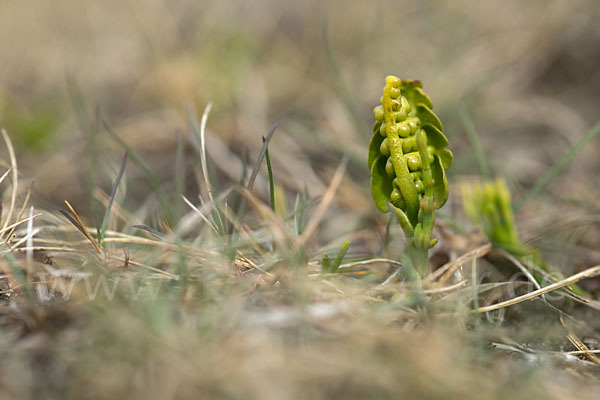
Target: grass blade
pixel 559 165
pixel 3 177
pixel 198 130
pixel 139 162
pixel 29 252
pixel 20 214
pixel 300 211
pixel 586 274
pixel 156 233
pixel 474 286
pixel 113 193
pixel 261 156
pixel 15 224
pixel 325 264
pixel 270 172
pixel 475 142
pixel 335 265
pixel 179 171
pixel 203 159
pixel 199 213
pixel 72 220
pixel 19 276
pixel 256 169
pixel 15 180
pixel 84 229
pixel 313 223
pixel 237 196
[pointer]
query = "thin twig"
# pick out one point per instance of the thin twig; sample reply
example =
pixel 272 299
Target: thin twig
pixel 9 227
pixel 588 273
pixel 575 341
pixel 313 223
pixel 197 211
pixel 3 177
pixel 446 271
pixel 20 215
pixel 148 267
pixel 369 262
pixel 445 289
pixel 29 253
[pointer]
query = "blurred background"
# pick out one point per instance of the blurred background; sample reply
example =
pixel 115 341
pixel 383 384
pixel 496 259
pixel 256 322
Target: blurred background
pixel 526 74
pixel 516 84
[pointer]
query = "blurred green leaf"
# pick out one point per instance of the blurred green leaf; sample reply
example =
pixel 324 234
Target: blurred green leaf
pixel 381 184
pixel 435 137
pixel 428 117
pixel 375 146
pixel 440 189
pixel 33 126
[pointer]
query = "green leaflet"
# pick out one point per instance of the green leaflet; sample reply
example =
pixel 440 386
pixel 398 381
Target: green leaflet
pixel 445 157
pixel 374 146
pixel 427 117
pixel 421 98
pixel 440 189
pixel 381 184
pixel 435 137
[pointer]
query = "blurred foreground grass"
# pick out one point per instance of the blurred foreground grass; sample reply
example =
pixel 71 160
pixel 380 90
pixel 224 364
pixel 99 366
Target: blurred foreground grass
pixel 235 306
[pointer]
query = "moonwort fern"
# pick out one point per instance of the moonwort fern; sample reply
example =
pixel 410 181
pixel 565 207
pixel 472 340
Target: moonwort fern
pixel 408 161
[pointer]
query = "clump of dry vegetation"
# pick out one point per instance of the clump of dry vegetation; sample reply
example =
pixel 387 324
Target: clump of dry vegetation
pixel 152 249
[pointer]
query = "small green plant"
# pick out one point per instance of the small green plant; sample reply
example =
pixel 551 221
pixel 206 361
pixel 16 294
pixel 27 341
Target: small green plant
pixel 408 161
pixel 331 267
pixel 488 205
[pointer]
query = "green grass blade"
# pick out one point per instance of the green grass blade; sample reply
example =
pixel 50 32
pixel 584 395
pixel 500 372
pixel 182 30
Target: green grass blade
pixel 475 142
pixel 113 193
pixel 559 165
pixel 139 162
pixel 270 172
pixel 256 169
pixel 261 156
pixel 300 211
pixel 325 264
pixel 335 265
